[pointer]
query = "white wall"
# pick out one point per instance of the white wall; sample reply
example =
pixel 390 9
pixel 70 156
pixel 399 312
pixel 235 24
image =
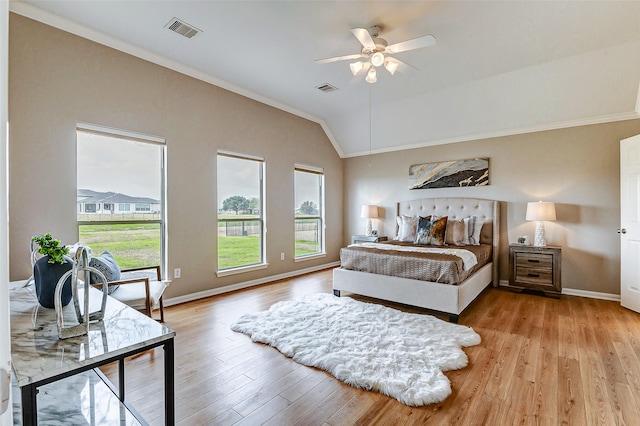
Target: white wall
pixel 5 341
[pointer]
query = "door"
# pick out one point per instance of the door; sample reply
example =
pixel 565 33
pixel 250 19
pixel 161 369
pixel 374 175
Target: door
pixel 630 223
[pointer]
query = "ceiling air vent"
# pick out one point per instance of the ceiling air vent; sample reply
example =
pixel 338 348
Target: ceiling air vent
pixel 182 28
pixel 326 88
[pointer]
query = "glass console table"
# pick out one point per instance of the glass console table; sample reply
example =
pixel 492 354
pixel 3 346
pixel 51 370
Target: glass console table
pixel 63 369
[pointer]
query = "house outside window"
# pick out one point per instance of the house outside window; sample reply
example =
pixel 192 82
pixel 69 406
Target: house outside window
pixel 309 211
pixel 240 223
pixel 117 168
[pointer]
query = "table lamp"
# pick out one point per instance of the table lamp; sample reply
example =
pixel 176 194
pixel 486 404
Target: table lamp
pixel 540 211
pixel 369 212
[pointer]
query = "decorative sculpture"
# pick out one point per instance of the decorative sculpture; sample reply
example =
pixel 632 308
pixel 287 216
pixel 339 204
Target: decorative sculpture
pixel 84 317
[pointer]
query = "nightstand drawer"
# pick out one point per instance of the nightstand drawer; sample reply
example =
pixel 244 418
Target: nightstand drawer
pixel 534 260
pixel 536 276
pixel 535 268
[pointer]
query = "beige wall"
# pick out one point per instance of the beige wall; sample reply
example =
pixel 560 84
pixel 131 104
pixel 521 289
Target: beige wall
pixel 58 79
pixel 577 168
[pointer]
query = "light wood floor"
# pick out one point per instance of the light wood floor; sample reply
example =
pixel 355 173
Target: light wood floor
pixel 573 361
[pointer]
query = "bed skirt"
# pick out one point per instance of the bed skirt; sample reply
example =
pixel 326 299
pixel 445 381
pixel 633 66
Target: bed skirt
pixel 451 299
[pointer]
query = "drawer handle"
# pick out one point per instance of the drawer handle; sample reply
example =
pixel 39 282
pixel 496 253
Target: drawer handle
pixel 533 275
pixel 533 261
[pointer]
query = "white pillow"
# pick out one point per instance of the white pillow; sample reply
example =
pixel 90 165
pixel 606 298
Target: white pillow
pixel 472 228
pixel 407 226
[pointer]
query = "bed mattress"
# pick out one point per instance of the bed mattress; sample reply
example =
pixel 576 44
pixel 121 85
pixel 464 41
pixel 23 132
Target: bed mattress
pixel 433 267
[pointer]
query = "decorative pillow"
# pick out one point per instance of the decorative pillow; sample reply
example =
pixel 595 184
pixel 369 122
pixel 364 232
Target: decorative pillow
pixel 472 228
pixel 106 264
pixel 407 228
pixel 455 232
pixel 431 230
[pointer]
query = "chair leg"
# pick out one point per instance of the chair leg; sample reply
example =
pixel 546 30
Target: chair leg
pixel 161 310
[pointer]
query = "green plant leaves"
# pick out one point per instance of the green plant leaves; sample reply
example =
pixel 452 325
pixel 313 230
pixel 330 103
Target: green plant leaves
pixel 51 247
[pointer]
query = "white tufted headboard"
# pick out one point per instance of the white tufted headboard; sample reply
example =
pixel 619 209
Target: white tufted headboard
pixel 458 208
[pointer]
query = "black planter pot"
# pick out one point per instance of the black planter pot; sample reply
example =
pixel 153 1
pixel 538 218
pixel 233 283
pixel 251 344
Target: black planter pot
pixel 46 276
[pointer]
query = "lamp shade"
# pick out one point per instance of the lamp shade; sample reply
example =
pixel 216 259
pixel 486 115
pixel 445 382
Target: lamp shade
pixel 541 211
pixel 369 211
pixel 371 75
pixel 356 67
pixel 391 65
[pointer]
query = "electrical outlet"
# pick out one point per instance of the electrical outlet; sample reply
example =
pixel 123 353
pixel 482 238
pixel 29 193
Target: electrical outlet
pixel 282 256
pixel 177 273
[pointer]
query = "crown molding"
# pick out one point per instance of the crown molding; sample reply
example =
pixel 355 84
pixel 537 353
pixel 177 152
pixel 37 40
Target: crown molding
pixel 47 18
pixel 509 132
pixel 35 13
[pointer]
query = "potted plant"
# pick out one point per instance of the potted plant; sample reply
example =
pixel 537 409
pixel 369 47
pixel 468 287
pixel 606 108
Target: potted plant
pixel 48 270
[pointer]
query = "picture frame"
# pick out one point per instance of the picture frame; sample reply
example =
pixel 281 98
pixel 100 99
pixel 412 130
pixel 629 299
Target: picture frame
pixel 450 174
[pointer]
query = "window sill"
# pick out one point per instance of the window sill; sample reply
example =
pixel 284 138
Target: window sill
pixel 310 257
pixel 242 269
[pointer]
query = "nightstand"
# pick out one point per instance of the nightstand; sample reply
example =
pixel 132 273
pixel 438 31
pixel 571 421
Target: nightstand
pixel 535 268
pixel 357 239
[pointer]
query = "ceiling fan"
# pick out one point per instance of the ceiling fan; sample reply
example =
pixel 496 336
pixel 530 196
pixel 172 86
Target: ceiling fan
pixel 377 52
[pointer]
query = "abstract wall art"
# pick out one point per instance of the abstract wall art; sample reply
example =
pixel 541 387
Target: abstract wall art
pixel 450 174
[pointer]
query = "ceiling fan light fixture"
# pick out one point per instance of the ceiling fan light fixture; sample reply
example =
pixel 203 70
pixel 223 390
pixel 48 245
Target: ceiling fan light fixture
pixel 356 67
pixel 374 49
pixel 391 65
pixel 377 59
pixel 371 75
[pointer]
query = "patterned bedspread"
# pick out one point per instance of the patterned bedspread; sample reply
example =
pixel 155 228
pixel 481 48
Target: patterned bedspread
pixel 439 265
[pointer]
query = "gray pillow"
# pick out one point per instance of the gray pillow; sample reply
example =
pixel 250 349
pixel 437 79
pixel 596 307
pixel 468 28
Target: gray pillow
pixel 106 264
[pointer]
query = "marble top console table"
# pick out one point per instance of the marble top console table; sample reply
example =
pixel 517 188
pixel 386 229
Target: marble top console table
pixel 39 358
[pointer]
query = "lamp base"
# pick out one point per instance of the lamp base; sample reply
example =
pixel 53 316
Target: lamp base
pixel 369 228
pixel 539 240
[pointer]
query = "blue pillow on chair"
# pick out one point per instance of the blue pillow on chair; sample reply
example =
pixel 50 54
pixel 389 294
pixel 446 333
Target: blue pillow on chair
pixel 106 264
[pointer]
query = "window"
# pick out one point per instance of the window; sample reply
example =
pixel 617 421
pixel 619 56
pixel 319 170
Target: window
pixel 309 211
pixel 241 224
pixel 114 170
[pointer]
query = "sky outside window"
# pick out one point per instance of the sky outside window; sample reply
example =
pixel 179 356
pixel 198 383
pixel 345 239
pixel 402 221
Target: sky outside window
pixel 111 164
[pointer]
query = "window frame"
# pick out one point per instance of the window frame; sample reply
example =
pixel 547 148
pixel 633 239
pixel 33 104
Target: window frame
pixel 136 137
pixel 262 263
pixel 319 171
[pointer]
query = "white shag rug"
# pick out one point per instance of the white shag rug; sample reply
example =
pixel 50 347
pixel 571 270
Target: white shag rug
pixel 366 345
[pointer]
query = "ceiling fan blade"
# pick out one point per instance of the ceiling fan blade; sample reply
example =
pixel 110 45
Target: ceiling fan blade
pixel 416 43
pixel 403 66
pixel 364 38
pixel 338 58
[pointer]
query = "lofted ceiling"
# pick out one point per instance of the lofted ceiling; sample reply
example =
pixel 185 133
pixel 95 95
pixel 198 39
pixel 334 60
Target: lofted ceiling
pixel 498 68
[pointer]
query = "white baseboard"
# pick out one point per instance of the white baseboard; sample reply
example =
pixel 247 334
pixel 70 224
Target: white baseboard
pixel 591 294
pixel 580 293
pixel 246 284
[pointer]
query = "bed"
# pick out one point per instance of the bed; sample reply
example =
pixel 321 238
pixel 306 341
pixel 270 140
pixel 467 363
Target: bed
pixel 448 297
